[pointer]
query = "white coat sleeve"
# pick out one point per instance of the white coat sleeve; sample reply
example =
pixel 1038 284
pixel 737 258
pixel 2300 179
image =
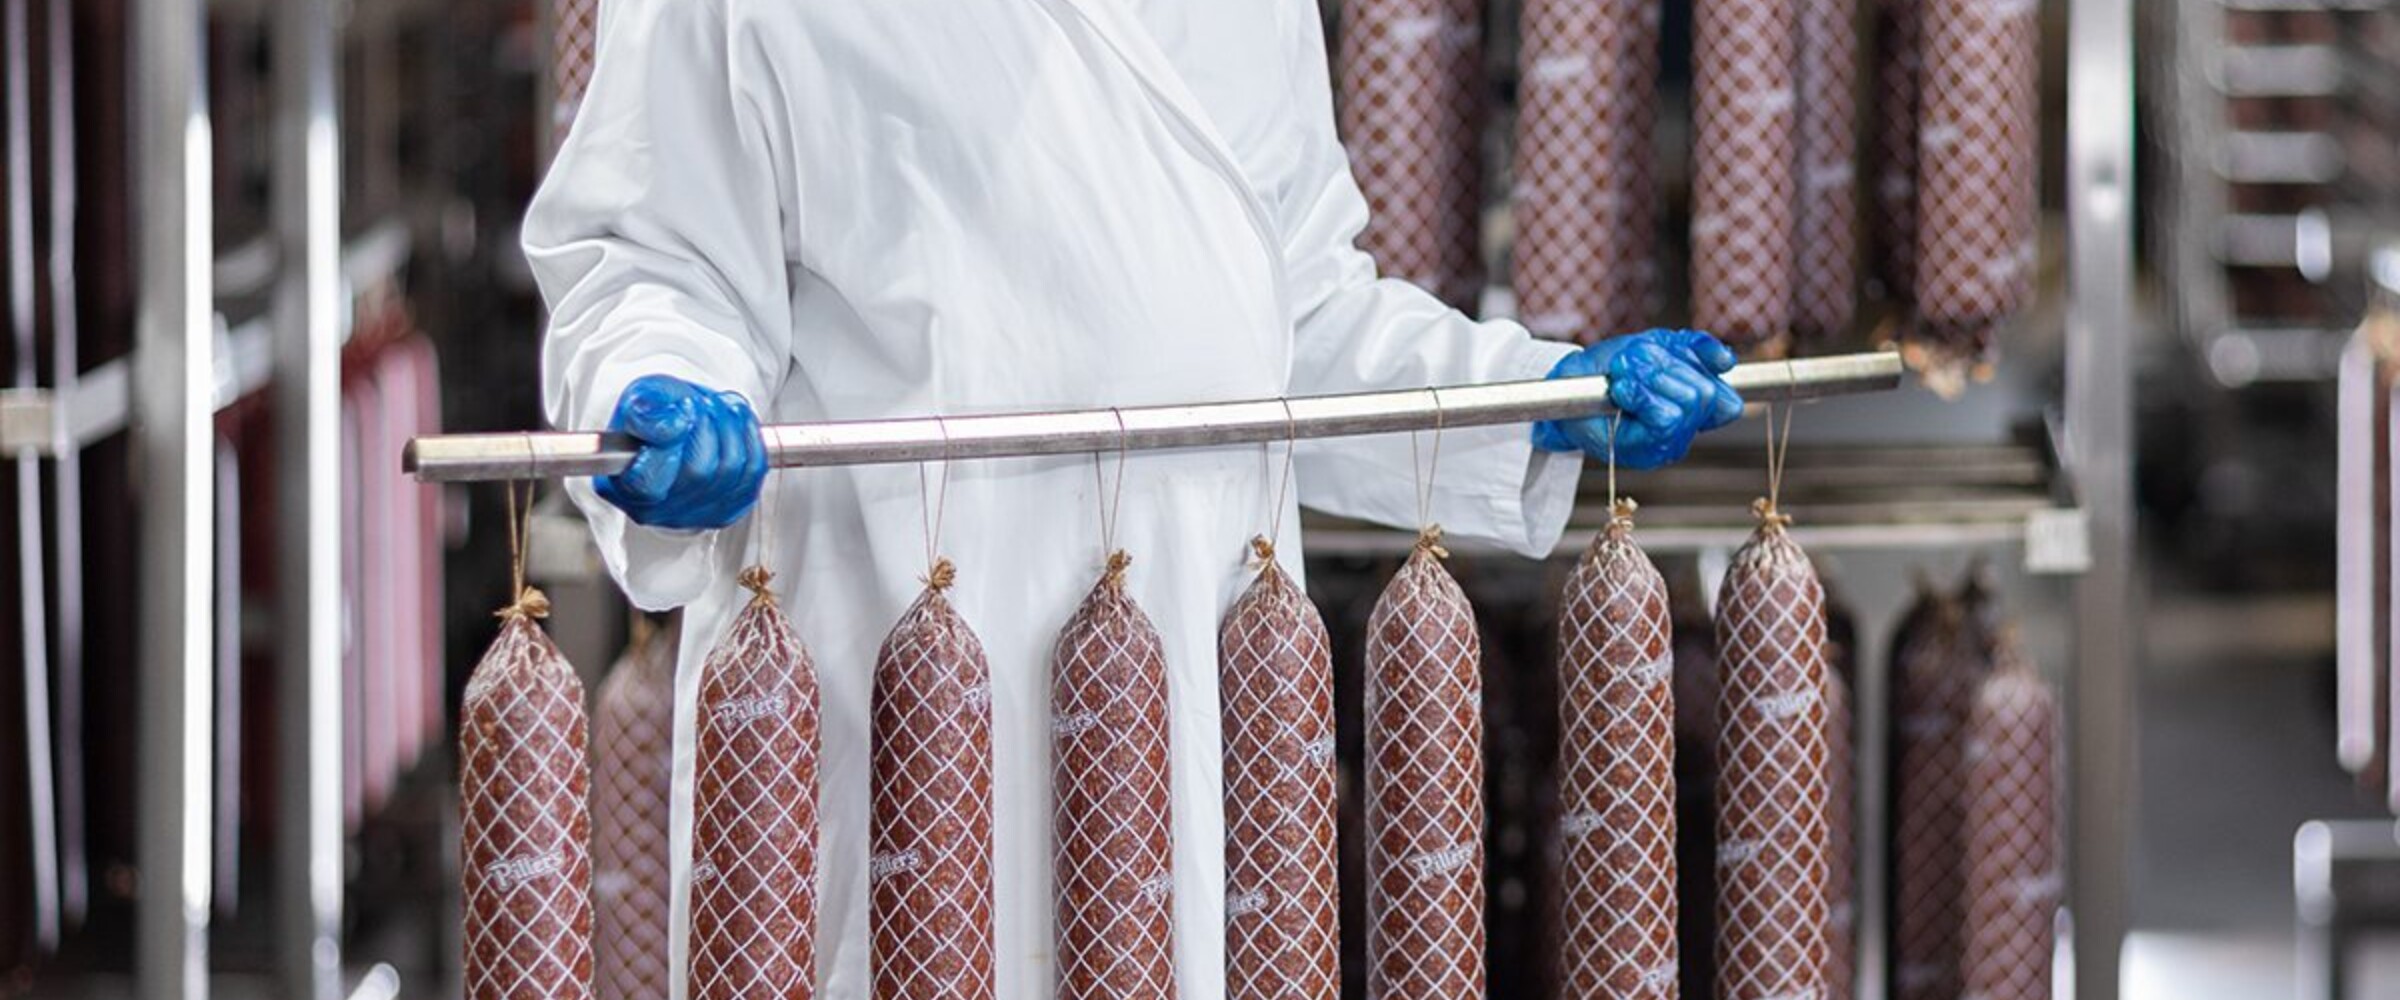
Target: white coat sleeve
pixel 1354 332
pixel 660 243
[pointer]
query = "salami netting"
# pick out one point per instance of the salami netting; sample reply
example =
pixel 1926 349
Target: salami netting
pixel 524 824
pixel 1617 774
pixel 1112 808
pixel 931 863
pixel 1771 784
pixel 1933 681
pixel 1744 157
pixel 1411 107
pixel 574 33
pixel 2013 863
pixel 1424 700
pixel 1841 843
pixel 633 768
pixel 1978 169
pixel 1282 894
pixel 1824 251
pixel 754 809
pixel 1585 264
pixel 1899 63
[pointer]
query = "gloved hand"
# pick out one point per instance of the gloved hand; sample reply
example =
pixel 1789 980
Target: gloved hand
pixel 701 461
pixel 1665 382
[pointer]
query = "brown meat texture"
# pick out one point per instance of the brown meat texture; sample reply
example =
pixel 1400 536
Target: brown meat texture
pixel 1979 170
pixel 1825 226
pixel 1745 157
pixel 930 912
pixel 574 33
pixel 1617 775
pixel 525 826
pixel 633 770
pixel 1935 669
pixel 1411 112
pixel 2014 870
pixel 1771 773
pixel 1282 894
pixel 1841 841
pixel 754 808
pixel 1585 265
pixel 1424 702
pixel 1899 65
pixel 1112 808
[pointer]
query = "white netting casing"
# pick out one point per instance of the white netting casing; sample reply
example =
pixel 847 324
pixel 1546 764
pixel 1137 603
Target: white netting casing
pixel 2013 865
pixel 1979 169
pixel 1617 776
pixel 1899 63
pixel 633 770
pixel 1745 157
pixel 1934 673
pixel 1585 263
pixel 1825 227
pixel 525 832
pixel 1841 841
pixel 1411 110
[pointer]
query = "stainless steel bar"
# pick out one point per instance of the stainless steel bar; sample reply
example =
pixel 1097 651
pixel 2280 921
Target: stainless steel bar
pixel 306 383
pixel 41 790
pixel 2099 436
pixel 173 376
pixel 470 457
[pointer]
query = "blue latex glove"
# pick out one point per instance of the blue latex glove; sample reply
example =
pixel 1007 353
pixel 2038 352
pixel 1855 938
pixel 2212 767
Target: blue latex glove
pixel 1665 382
pixel 701 461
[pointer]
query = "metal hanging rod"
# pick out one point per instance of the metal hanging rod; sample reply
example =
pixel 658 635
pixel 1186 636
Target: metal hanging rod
pixel 552 454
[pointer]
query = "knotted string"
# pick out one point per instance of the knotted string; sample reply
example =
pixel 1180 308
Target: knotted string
pixel 1111 501
pixel 1779 449
pixel 525 601
pixel 1263 546
pixel 1428 469
pixel 939 573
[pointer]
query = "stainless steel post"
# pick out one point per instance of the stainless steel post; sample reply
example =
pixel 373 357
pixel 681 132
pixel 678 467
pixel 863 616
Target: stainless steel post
pixel 307 396
pixel 174 381
pixel 2099 418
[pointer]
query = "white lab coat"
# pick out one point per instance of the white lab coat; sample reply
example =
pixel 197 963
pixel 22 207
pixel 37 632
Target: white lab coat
pixel 850 210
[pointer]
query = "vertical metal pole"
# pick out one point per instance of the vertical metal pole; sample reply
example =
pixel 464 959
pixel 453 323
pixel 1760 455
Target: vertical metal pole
pixel 174 450
pixel 307 388
pixel 2099 414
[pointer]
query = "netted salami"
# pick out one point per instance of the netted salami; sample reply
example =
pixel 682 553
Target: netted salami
pixel 1841 845
pixel 1585 263
pixel 1617 773
pixel 1744 161
pixel 1899 63
pixel 1771 784
pixel 1825 224
pixel 1275 692
pixel 1424 701
pixel 1411 108
pixel 1112 809
pixel 754 809
pixel 525 827
pixel 930 870
pixel 574 33
pixel 633 770
pixel 1932 683
pixel 1979 161
pixel 2013 862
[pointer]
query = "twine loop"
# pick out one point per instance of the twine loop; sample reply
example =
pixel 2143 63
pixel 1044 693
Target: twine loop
pixel 1262 552
pixel 1768 516
pixel 1620 514
pixel 941 576
pixel 1114 577
pixel 1429 540
pixel 531 603
pixel 758 580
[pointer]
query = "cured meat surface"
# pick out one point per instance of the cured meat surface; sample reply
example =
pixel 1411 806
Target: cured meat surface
pixel 1585 264
pixel 1282 895
pixel 1744 157
pixel 1825 228
pixel 574 33
pixel 1899 64
pixel 1934 673
pixel 1425 932
pixel 525 827
pixel 1841 841
pixel 1771 783
pixel 1978 169
pixel 931 868
pixel 2013 862
pixel 754 808
pixel 1411 107
pixel 633 767
pixel 1617 774
pixel 1113 868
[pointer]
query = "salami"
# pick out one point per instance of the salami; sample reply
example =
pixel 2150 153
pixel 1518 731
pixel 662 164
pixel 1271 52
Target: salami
pixel 1899 62
pixel 1771 783
pixel 633 767
pixel 574 32
pixel 754 808
pixel 1617 773
pixel 1932 683
pixel 1425 932
pixel 2013 861
pixel 1841 846
pixel 1979 152
pixel 1112 810
pixel 1275 691
pixel 1411 108
pixel 1585 264
pixel 1824 227
pixel 930 870
pixel 525 827
pixel 1744 158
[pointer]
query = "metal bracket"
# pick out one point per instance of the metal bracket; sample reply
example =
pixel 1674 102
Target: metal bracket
pixel 27 421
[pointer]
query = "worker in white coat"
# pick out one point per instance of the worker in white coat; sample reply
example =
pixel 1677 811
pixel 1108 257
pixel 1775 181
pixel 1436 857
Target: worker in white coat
pixel 837 211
